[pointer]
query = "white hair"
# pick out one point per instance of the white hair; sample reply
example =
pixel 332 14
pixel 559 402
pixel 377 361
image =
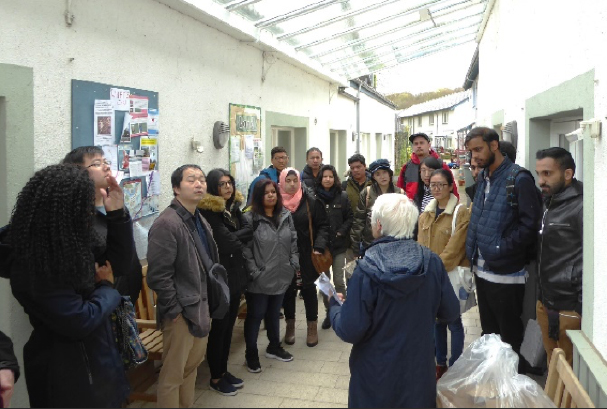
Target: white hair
pixel 397 214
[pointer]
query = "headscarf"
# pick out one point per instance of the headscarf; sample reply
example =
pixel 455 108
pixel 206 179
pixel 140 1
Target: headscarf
pixel 291 202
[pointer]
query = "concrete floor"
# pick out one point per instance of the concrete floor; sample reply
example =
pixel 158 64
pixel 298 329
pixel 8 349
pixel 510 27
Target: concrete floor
pixel 317 378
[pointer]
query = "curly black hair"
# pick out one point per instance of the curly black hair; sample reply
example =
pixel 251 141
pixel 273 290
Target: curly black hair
pixel 51 228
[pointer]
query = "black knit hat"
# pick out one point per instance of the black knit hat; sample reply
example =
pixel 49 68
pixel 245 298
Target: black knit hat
pixel 383 164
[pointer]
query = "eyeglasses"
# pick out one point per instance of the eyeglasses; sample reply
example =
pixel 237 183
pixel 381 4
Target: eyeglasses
pixel 281 158
pixel 438 186
pixel 224 184
pixel 100 164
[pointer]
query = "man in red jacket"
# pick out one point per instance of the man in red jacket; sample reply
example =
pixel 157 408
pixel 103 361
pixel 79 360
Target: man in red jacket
pixel 409 174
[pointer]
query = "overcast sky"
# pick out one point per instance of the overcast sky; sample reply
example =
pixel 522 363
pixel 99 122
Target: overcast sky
pixel 446 69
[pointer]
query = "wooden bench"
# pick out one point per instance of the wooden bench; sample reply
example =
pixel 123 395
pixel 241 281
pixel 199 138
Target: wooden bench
pixel 562 386
pixel 145 375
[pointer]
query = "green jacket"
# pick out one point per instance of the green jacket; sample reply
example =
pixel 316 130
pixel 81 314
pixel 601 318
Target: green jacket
pixel 361 228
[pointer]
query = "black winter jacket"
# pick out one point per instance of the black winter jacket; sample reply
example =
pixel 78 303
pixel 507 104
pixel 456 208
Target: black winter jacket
pixel 560 255
pixel 307 178
pixel 320 225
pixel 116 243
pixel 230 234
pixel 340 216
pixel 71 358
pixel 7 355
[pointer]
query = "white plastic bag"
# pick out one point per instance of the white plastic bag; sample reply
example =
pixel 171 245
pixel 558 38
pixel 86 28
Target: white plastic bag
pixel 486 376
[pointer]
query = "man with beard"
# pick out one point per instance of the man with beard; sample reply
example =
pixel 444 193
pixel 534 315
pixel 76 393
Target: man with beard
pixel 409 177
pixel 502 231
pixel 560 262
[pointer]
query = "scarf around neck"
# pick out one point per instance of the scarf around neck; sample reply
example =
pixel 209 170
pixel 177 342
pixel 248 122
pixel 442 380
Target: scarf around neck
pixel 290 202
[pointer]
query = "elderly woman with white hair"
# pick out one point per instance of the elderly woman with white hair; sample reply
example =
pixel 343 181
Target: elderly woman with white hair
pixel 396 293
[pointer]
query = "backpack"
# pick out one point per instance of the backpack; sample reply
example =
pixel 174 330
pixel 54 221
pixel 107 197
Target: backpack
pixel 512 200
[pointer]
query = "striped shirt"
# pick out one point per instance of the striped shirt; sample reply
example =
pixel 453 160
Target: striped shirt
pixel 427 198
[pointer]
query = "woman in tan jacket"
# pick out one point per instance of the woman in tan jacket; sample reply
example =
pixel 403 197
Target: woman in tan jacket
pixel 436 232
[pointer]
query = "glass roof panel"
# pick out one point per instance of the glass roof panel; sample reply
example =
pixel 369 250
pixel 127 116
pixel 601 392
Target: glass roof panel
pixel 357 37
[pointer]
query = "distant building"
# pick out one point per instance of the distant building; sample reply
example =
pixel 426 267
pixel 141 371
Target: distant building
pixel 440 118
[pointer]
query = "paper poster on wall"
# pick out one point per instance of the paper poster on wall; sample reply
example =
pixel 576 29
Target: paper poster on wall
pixel 110 152
pixel 125 136
pixel 132 195
pixel 153 182
pixel 245 136
pixel 124 154
pixel 138 112
pixel 149 146
pixel 104 123
pixel 120 99
pixel 153 124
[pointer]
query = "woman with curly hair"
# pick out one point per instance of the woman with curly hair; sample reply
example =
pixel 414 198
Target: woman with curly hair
pixel 221 208
pixel 71 358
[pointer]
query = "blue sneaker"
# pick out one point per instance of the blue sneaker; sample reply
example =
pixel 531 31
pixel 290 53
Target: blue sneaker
pixel 234 381
pixel 223 387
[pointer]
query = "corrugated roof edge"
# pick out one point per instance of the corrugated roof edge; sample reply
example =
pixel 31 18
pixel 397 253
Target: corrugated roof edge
pixel 472 73
pixel 438 104
pixel 372 92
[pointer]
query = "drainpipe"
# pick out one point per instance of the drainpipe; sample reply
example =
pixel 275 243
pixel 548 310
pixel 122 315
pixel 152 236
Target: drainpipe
pixel 360 84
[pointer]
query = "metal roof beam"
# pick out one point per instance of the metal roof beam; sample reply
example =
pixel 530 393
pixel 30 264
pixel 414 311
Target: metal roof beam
pixel 401 39
pixel 296 13
pixel 425 43
pixel 466 4
pixel 395 61
pixel 370 24
pixel 338 19
pixel 235 5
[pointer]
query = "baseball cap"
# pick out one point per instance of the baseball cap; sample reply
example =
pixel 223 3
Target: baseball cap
pixel 415 135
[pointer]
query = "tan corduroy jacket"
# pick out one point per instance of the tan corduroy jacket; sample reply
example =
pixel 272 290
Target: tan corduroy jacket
pixel 436 233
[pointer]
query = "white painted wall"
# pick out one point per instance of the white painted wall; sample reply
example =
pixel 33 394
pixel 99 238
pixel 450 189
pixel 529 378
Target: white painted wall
pixel 197 71
pixel 529 47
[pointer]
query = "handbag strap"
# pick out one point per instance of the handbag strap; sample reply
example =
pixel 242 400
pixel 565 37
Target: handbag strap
pixel 310 224
pixel 454 219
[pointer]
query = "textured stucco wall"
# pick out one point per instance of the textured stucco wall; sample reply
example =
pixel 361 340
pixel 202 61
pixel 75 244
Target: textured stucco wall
pixel 528 49
pixel 197 71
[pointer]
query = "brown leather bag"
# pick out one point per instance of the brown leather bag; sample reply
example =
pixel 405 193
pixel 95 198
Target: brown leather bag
pixel 322 262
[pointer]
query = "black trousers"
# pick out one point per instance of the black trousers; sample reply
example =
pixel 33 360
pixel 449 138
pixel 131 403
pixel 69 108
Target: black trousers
pixel 500 307
pixel 220 339
pixel 310 301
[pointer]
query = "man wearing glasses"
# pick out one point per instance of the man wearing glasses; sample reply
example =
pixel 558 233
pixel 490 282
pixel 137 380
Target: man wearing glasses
pixel 409 178
pixel 113 227
pixel 280 160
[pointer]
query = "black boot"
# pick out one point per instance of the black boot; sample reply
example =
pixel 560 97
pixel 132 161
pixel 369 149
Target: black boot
pixel 326 324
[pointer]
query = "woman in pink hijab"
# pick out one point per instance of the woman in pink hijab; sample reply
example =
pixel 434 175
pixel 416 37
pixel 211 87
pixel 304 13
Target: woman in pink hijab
pixel 299 201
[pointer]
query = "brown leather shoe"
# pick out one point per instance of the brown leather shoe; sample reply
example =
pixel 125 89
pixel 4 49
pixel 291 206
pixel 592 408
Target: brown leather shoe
pixel 290 335
pixel 312 339
pixel 440 371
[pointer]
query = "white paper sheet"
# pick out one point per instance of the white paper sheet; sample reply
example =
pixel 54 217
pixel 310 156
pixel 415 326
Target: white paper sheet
pixel 104 123
pixel 324 284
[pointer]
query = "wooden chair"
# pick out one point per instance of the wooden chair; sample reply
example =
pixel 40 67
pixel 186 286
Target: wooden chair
pixel 562 386
pixel 145 375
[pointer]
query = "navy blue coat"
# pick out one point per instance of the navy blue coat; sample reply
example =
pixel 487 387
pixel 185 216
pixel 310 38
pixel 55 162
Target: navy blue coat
pixel 506 236
pixel 394 297
pixel 71 358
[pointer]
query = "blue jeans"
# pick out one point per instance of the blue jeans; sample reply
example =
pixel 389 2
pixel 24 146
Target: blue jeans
pixel 260 307
pixel 440 341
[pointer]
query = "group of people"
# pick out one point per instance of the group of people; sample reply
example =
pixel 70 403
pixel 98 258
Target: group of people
pixel 70 256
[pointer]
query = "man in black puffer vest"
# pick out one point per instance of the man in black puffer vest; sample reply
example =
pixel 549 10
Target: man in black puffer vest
pixel 502 232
